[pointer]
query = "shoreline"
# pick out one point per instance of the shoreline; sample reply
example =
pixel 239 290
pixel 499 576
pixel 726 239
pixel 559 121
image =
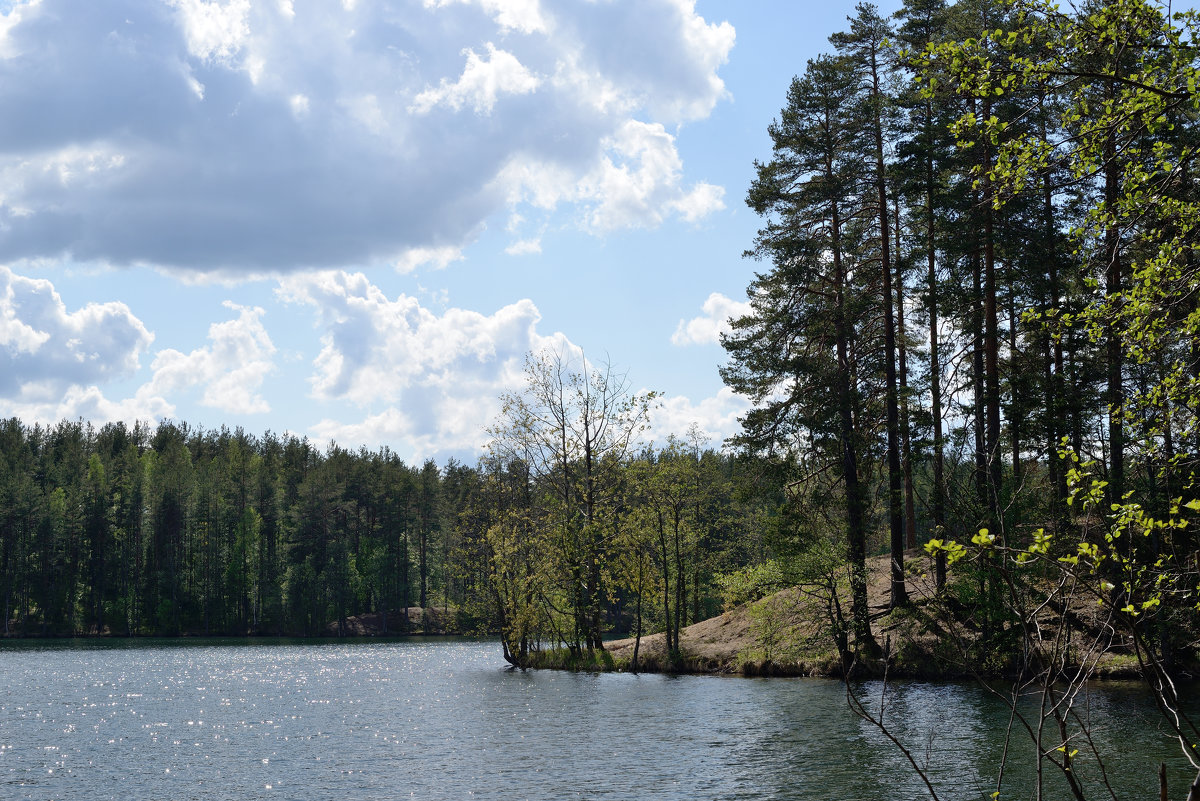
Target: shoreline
pixel 428 622
pixel 616 657
pixel 785 634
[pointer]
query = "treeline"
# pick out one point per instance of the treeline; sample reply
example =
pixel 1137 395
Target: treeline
pixel 172 530
pixel 979 282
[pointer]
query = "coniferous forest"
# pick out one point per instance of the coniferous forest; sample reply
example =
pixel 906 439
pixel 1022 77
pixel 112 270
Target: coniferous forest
pixel 172 530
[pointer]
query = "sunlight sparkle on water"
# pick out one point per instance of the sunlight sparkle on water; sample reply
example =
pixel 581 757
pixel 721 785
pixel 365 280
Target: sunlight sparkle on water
pixel 447 720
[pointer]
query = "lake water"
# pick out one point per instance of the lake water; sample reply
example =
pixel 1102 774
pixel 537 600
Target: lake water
pixel 444 719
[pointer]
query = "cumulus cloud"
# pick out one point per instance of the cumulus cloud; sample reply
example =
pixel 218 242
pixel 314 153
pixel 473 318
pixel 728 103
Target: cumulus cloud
pixel 520 15
pixel 89 403
pixel 639 179
pixel 214 31
pixel 53 359
pixel 45 348
pixel 428 379
pixel 54 362
pixel 636 183
pixel 662 55
pixel 482 81
pixel 254 137
pixel 715 418
pixel 438 258
pixel 708 327
pixel 524 247
pixel 230 370
pixel 432 380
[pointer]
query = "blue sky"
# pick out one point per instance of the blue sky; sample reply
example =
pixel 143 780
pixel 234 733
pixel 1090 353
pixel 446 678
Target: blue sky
pixel 352 220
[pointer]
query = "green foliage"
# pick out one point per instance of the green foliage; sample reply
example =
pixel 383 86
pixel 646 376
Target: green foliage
pixel 750 583
pixel 773 627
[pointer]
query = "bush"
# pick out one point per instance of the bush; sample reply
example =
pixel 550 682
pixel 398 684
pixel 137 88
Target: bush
pixel 750 583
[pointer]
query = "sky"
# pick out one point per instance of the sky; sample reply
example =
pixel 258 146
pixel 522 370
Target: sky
pixel 352 220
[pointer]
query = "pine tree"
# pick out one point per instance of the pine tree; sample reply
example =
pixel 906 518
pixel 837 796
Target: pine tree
pixel 811 307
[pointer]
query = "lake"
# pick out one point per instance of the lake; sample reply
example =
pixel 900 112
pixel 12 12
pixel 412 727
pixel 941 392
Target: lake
pixel 444 719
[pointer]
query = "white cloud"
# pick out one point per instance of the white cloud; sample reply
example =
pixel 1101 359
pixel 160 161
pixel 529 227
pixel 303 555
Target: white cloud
pixel 701 201
pixel 53 359
pixel 601 94
pixel 8 22
pixel 89 403
pixel 634 188
pixel 425 378
pixel 481 83
pixel 45 349
pixel 661 54
pixel 432 381
pixel 520 15
pixel 215 31
pixel 637 182
pixel 261 137
pixel 524 247
pixel 436 257
pixel 708 45
pixel 67 169
pixel 707 328
pixel 716 418
pixel 366 111
pixel 231 369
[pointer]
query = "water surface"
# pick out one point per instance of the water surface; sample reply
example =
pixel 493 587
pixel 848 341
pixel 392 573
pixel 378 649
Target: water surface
pixel 445 719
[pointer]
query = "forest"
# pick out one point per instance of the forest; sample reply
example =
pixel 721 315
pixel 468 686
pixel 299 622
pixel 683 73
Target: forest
pixel 978 310
pixel 972 345
pixel 170 530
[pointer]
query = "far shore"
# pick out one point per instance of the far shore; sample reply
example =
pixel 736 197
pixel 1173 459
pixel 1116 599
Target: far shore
pixel 791 641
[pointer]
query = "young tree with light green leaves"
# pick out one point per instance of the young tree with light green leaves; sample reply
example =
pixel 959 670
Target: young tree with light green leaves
pixel 1125 75
pixel 573 425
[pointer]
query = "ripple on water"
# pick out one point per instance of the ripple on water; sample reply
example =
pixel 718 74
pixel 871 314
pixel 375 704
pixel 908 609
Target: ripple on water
pixel 445 719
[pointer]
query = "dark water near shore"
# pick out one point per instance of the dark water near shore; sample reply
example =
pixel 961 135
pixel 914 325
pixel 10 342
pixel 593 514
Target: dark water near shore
pixel 444 719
